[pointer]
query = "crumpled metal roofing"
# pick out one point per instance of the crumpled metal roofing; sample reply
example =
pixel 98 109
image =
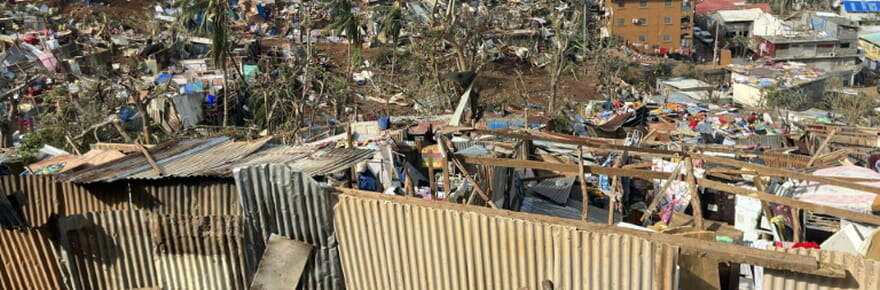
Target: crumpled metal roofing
pixel 217 157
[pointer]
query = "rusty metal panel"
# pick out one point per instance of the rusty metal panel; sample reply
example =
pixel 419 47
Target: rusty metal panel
pixel 190 197
pixel 81 199
pixel 198 252
pixel 108 250
pixel 36 194
pixel 278 200
pixel 862 274
pixel 28 260
pixel 401 245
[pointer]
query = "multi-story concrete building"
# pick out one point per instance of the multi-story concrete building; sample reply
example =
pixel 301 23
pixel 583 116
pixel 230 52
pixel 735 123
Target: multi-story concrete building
pixel 652 25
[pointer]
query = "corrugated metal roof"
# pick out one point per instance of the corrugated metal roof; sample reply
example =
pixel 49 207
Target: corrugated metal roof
pixel 407 245
pixel 135 163
pixel 190 197
pixel 36 194
pixel 30 261
pixel 306 160
pixel 556 189
pixel 108 250
pixel 203 162
pixel 198 252
pixel 766 141
pixel 862 274
pixel 278 200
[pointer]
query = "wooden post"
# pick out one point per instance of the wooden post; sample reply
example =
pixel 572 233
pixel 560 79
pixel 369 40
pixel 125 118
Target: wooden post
pixel 447 187
pixel 156 168
pixel 695 194
pixel 796 224
pixel 585 211
pixel 349 143
pixel 612 201
pixel 431 182
pixel 118 126
pixel 408 185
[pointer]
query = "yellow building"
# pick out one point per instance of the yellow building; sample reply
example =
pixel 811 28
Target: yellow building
pixel 870 44
pixel 652 25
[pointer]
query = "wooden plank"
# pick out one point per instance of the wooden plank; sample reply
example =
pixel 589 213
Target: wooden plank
pixel 156 168
pixel 124 148
pixel 821 148
pixel 282 264
pixel 565 169
pixel 722 252
pixel 470 179
pixel 658 196
pixel 695 194
pixel 769 171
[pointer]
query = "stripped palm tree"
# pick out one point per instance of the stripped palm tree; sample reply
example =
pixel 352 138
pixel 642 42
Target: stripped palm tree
pixel 212 17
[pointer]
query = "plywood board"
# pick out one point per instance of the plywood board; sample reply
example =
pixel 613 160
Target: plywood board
pixel 282 265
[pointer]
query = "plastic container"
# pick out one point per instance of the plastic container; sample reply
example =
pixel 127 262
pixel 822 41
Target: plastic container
pixel 384 123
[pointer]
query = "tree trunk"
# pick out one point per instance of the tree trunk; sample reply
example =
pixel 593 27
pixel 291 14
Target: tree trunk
pixel 226 92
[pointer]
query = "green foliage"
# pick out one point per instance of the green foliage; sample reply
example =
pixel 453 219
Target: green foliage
pixel 787 99
pixel 392 22
pixel 344 21
pixel 33 142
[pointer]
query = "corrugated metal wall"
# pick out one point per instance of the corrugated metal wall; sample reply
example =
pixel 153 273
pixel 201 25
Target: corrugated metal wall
pixel 28 261
pixel 276 199
pixel 37 194
pixel 199 252
pixel 108 250
pixel 863 274
pixel 82 199
pixel 190 197
pixel 401 245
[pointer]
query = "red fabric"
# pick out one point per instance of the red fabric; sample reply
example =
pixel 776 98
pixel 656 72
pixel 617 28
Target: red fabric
pixel 693 125
pixel 798 245
pixel 663 51
pixel 31 39
pixel 709 6
pixel 34 92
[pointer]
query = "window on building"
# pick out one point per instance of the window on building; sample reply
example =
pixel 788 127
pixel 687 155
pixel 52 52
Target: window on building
pixel 621 3
pixel 667 20
pixel 668 3
pixel 643 3
pixel 621 22
pixel 844 45
pixel 643 21
pixel 643 38
pixel 667 38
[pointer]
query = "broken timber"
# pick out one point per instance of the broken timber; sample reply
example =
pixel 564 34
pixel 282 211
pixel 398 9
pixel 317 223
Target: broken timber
pixel 572 170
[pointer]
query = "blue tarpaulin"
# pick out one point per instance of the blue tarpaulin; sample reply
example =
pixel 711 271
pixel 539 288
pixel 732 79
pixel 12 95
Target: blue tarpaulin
pixel 861 6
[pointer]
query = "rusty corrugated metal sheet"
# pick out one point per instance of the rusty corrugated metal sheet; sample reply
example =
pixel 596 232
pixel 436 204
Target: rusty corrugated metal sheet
pixel 306 160
pixel 87 198
pixel 37 195
pixel 401 245
pixel 190 197
pixel 135 163
pixel 108 250
pixel 863 274
pixel 277 200
pixel 28 261
pixel 199 252
pixel 766 141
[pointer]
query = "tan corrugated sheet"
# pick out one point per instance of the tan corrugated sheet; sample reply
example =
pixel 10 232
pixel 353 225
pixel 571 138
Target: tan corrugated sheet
pixel 400 245
pixel 863 274
pixel 108 250
pixel 28 261
pixel 38 195
pixel 199 252
pixel 80 199
pixel 190 197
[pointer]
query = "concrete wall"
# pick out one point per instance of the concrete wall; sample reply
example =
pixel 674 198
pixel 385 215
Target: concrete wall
pixel 654 29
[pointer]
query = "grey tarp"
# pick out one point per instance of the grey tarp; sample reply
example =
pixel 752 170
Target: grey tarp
pixel 276 199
